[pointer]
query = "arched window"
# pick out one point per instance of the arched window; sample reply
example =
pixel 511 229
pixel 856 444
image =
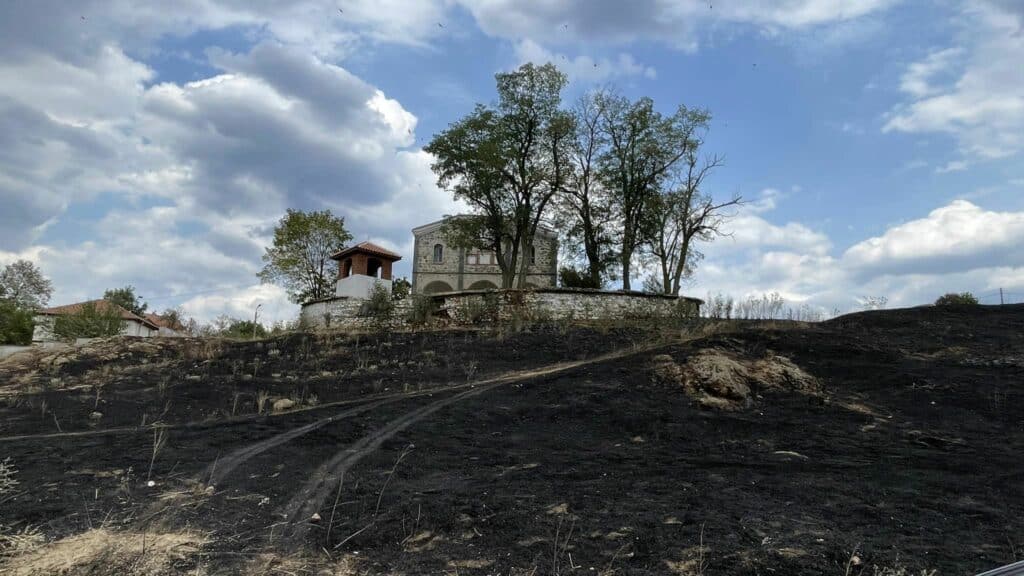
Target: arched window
pixel 438 253
pixel 533 255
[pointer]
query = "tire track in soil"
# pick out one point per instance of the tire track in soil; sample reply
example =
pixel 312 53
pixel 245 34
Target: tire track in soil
pixel 311 497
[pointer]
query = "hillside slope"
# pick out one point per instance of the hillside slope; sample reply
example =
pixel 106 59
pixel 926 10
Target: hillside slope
pixel 552 451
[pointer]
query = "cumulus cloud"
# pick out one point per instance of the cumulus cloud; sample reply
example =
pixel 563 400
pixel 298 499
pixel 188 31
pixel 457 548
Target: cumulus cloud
pixel 957 247
pixel 192 176
pixel 957 237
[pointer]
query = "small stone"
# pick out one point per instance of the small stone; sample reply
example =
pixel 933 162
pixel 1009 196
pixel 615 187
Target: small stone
pixel 210 490
pixel 283 404
pixel 95 415
pixel 150 483
pixel 315 517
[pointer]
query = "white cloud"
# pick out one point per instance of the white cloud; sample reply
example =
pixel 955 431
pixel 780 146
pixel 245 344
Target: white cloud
pixel 199 171
pixel 675 22
pixel 957 237
pixel 952 166
pixel 584 68
pixel 983 104
pixel 958 247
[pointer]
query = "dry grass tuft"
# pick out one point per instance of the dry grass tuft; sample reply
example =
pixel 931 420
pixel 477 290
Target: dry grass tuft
pixel 722 380
pixel 103 552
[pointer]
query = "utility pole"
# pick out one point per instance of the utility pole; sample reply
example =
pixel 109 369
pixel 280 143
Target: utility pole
pixel 1000 296
pixel 254 317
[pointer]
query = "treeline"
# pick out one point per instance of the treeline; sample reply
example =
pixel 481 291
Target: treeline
pixel 623 183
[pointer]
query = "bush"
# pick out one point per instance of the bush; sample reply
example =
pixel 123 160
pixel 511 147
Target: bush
pixel 422 310
pixel 90 321
pixel 244 329
pixel 573 278
pixel 953 298
pixel 380 307
pixel 400 289
pixel 16 324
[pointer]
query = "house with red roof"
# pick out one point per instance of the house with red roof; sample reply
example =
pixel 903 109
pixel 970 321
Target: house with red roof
pixel 131 324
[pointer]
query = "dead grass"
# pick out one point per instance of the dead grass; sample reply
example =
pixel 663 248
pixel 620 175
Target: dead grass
pixel 723 380
pixel 102 552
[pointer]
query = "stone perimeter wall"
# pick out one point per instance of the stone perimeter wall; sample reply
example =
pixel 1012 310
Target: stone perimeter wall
pixel 472 306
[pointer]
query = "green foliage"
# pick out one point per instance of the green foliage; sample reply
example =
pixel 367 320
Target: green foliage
pixel 573 278
pixel 421 311
pixel 300 258
pixel 952 298
pixel 507 163
pixel 644 155
pixel 243 330
pixel 16 323
pixel 379 307
pixel 127 299
pixel 400 289
pixel 22 283
pixel 92 320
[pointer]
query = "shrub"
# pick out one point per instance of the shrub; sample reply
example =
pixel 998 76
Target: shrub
pixel 421 311
pixel 379 306
pixel 952 298
pixel 573 278
pixel 90 321
pixel 16 323
pixel 244 329
pixel 476 311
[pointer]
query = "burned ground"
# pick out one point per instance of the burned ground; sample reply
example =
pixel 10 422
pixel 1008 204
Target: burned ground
pixel 450 456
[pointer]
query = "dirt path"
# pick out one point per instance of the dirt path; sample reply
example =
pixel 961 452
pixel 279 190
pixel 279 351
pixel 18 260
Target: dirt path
pixel 309 499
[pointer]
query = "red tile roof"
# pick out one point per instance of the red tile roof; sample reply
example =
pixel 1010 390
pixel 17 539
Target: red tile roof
pixel 100 304
pixel 368 248
pixel 164 322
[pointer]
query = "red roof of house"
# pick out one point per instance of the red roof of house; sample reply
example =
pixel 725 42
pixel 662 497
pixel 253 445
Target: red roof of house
pixel 368 248
pixel 100 304
pixel 163 322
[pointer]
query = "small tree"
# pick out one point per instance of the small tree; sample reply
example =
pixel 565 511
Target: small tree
pixel 952 298
pixel 92 320
pixel 127 299
pixel 300 258
pixel 23 283
pixel 16 323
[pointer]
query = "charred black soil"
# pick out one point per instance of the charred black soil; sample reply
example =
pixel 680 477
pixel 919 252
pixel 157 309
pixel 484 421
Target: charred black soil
pixel 476 453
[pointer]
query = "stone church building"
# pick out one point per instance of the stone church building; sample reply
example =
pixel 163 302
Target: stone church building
pixel 437 267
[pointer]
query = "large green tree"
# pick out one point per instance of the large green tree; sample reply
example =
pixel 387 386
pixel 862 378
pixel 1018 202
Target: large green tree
pixel 507 162
pixel 127 299
pixel 584 211
pixel 300 258
pixel 23 283
pixel 645 149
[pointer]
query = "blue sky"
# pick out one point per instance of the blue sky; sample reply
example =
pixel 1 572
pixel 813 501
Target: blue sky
pixel 879 142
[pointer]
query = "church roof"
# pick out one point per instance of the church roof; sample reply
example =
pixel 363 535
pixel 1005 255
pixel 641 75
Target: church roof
pixel 367 248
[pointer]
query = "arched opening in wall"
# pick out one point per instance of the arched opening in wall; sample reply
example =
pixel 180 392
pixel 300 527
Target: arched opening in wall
pixel 438 253
pixel 533 254
pixel 373 267
pixel 483 285
pixel 437 286
pixel 346 268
